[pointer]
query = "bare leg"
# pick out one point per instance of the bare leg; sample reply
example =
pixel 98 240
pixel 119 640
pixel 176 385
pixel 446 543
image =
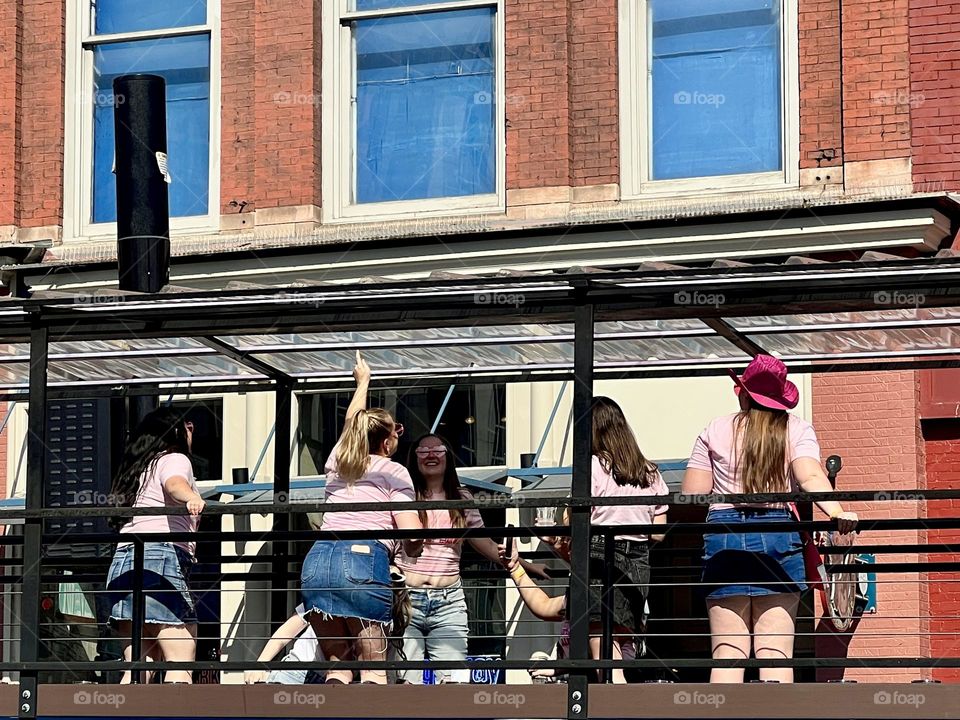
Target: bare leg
pixel 178 643
pixel 595 645
pixel 730 631
pixel 335 641
pixel 774 627
pixel 373 648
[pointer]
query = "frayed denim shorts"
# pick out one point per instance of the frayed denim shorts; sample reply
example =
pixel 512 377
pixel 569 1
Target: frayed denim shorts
pixel 751 563
pixel 348 579
pixel 166 573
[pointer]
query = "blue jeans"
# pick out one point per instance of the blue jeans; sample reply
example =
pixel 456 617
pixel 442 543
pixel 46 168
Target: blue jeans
pixel 437 629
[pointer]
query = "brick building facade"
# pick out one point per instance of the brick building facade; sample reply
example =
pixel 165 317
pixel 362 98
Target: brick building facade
pixel 868 113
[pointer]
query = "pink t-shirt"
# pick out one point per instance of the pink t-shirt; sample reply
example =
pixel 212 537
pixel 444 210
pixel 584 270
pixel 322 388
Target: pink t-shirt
pixel 384 481
pixel 714 451
pixel 441 556
pixel 153 493
pixel 602 484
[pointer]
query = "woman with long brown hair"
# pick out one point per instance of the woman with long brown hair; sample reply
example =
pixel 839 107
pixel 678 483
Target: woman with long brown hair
pixel 754 579
pixel 439 623
pixel 346 584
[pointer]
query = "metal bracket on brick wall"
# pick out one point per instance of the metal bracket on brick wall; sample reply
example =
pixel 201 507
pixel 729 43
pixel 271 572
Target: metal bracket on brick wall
pixel 576 697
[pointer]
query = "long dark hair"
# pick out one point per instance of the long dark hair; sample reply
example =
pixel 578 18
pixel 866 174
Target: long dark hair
pixel 616 446
pixel 159 433
pixel 451 482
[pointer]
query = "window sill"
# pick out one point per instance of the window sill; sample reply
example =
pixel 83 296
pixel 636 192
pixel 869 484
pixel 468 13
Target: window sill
pixel 419 209
pixel 759 182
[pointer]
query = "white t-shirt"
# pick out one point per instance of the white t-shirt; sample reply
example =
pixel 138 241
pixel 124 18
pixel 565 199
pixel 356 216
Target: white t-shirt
pixel 305 648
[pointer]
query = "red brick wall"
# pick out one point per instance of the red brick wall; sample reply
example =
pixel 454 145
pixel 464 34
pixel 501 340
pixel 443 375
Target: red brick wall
pixel 237 122
pixel 286 112
pixel 935 87
pixel 538 152
pixel 594 94
pixel 41 113
pixel 10 57
pixel 871 420
pixel 942 440
pixel 876 82
pixel 820 121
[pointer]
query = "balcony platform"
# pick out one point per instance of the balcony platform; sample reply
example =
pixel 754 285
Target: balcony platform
pixel 801 701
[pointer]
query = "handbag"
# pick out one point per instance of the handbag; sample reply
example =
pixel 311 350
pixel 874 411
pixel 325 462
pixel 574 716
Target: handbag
pixel 812 558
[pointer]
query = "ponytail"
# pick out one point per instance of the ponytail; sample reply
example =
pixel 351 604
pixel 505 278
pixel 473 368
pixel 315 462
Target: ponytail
pixel 364 432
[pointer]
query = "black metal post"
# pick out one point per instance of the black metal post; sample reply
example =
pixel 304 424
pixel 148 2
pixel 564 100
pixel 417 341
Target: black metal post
pixel 143 206
pixel 606 609
pixel 30 589
pixel 281 494
pixel 139 609
pixel 579 611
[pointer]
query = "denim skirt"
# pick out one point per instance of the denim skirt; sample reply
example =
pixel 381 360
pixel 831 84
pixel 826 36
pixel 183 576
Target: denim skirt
pixel 166 574
pixel 751 563
pixel 349 579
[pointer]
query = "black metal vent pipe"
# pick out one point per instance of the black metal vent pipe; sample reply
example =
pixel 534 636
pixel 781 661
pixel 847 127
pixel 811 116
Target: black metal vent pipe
pixel 143 208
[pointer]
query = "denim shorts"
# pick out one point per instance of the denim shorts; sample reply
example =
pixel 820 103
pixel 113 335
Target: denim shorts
pixel 166 573
pixel 349 579
pixel 751 563
pixel 631 582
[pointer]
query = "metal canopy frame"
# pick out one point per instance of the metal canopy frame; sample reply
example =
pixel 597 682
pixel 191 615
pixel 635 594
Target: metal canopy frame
pixel 654 322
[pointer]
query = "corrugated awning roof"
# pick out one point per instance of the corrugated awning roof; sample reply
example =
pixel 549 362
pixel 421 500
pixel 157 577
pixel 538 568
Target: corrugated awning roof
pixel 653 320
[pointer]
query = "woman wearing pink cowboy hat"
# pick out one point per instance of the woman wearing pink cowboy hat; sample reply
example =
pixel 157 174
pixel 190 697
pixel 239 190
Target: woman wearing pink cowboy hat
pixel 753 580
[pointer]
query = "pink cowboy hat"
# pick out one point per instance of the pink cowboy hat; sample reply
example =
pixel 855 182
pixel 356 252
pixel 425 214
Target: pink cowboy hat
pixel 765 381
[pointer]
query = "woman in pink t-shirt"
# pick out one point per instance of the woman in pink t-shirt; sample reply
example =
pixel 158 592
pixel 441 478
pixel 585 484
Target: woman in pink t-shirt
pixel 438 624
pixel 156 472
pixel 754 579
pixel 346 583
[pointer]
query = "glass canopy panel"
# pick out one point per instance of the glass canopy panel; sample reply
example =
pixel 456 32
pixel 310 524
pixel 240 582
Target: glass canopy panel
pixel 412 359
pixel 95 346
pixel 880 317
pixel 14 373
pixel 158 369
pixel 644 350
pixel 846 342
pixel 455 334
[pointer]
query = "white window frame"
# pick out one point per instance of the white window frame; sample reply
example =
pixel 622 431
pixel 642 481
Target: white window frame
pixel 636 125
pixel 78 122
pixel 339 131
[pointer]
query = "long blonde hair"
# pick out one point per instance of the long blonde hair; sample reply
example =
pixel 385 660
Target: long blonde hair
pixel 763 458
pixel 364 432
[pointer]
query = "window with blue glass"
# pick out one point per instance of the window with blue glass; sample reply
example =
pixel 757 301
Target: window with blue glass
pixel 183 60
pixel 424 102
pixel 715 92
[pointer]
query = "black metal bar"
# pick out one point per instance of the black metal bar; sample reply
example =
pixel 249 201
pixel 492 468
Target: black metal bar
pixel 255 364
pixel 734 336
pixel 281 496
pixel 33 528
pixel 606 609
pixel 139 607
pixel 579 610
